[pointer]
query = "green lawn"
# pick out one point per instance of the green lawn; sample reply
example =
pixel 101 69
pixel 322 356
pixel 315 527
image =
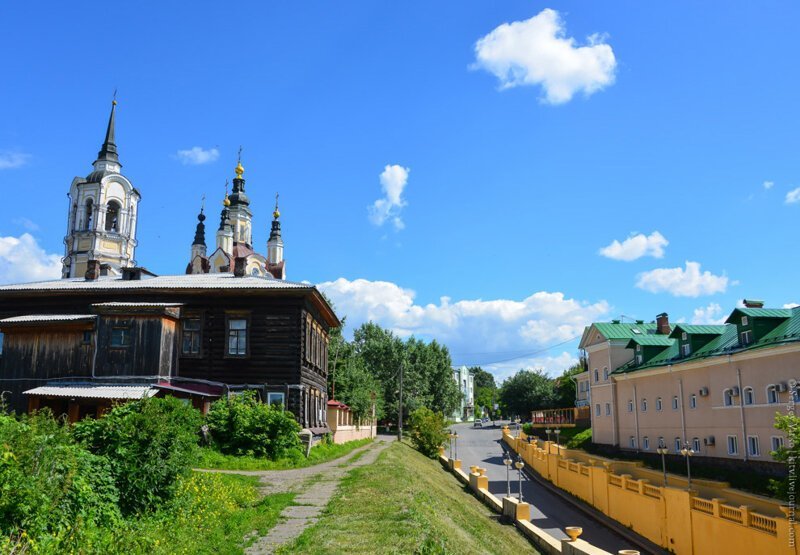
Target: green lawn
pixel 211 458
pixel 406 503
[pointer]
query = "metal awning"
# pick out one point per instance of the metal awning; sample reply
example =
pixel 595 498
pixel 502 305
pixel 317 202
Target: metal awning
pixel 94 391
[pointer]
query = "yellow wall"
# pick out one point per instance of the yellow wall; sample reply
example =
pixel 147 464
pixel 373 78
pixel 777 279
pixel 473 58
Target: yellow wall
pixel 673 518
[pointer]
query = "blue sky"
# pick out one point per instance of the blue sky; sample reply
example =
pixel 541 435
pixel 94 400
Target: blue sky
pixel 515 140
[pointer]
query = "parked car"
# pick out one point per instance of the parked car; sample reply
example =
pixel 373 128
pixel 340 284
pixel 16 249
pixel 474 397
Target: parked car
pixel 478 423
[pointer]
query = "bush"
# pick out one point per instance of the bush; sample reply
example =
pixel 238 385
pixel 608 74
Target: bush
pixel 242 425
pixel 149 445
pixel 428 431
pixel 53 493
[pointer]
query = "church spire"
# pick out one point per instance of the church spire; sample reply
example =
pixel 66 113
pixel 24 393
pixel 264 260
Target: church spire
pixel 200 232
pixel 238 196
pixel 108 152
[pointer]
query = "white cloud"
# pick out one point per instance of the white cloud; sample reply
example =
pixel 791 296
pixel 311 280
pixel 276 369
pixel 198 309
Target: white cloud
pixel 476 331
pixel 10 160
pixel 22 259
pixel 711 314
pixel 682 282
pixel 30 225
pixel 538 52
pixel 636 246
pixel 791 305
pixel 793 196
pixel 197 156
pixel 769 185
pixel 552 365
pixel 393 182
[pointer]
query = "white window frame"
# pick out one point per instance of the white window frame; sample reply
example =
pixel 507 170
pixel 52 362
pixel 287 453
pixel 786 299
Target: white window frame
pixel 753 448
pixel 733 441
pixel 659 404
pixel 630 405
pixel 597 409
pixel 646 443
pixel 746 337
pixel 776 442
pixel 745 321
pixel 727 397
pixel 675 403
pixel 605 373
pixel 696 444
pixel 608 409
pixel 644 404
pixel 772 392
pixel 684 336
pixel 693 401
pixel 678 445
pixel 748 392
pixel 632 442
pixel 596 375
pixel 686 350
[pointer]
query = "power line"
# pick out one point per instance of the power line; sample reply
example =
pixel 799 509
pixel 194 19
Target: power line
pixel 528 354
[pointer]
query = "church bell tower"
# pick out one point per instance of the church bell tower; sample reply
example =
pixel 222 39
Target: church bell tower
pixel 101 224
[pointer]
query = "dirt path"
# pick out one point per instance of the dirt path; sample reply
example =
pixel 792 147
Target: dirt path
pixel 314 485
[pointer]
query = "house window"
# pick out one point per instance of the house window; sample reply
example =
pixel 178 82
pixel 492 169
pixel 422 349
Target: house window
pixel 597 409
pixel 276 400
pixel 661 442
pixel 744 320
pixel 646 443
pixel 776 442
pixel 733 447
pixel 659 405
pixel 608 409
pixel 191 336
pixel 632 442
pixel 677 445
pixel 686 349
pixel 693 401
pixel 727 398
pixel 675 402
pixel 684 336
pixel 630 406
pixel 120 336
pixel 749 397
pixel 112 216
pixel 746 337
pixel 644 405
pixel 772 394
pixel 696 444
pixel 752 446
pixel 605 374
pixel 237 337
pixel 596 375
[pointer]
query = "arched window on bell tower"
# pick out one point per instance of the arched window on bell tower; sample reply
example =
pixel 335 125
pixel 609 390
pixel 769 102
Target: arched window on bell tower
pixel 112 216
pixel 88 218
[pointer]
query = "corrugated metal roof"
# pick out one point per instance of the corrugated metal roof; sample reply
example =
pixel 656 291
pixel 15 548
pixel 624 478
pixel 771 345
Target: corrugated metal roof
pixel 653 340
pixel 624 330
pixel 38 318
pixel 763 312
pixel 693 329
pixel 183 281
pixel 94 391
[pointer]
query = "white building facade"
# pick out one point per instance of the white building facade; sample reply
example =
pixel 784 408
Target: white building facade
pixel 466 409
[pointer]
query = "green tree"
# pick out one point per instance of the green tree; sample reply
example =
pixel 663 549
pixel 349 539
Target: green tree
pixel 382 354
pixel 482 378
pixel 564 386
pixel 428 431
pixel 789 453
pixel 525 391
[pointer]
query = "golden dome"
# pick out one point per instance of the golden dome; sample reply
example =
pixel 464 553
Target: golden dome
pixel 227 201
pixel 276 214
pixel 239 170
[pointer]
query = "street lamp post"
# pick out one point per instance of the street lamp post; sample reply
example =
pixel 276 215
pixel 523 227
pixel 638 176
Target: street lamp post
pixel 450 441
pixel 507 461
pixel 662 450
pixel 688 452
pixel 557 432
pixel 455 444
pixel 519 465
pixel 548 431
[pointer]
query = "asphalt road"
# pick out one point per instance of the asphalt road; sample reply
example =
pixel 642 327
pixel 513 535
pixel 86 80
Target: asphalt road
pixel 482 447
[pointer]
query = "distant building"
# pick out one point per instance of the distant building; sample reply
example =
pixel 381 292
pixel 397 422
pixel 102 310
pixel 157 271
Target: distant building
pixel 716 388
pixel 466 409
pixel 582 389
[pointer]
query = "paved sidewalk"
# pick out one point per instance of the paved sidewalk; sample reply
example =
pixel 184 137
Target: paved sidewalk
pixel 315 485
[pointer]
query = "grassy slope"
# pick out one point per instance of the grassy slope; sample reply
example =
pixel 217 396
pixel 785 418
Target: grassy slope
pixel 211 458
pixel 406 503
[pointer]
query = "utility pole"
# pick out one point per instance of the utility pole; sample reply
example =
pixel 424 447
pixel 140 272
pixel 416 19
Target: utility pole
pixel 400 408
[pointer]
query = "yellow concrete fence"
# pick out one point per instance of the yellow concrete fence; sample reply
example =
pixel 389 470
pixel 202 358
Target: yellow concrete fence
pixel 674 518
pixel 519 514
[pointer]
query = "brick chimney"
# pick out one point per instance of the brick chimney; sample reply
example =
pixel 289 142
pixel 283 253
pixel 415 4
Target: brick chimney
pixel 92 270
pixel 662 324
pixel 240 266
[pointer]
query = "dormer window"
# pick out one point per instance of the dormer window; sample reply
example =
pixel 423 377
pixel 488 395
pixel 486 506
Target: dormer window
pixel 684 336
pixel 744 320
pixel 686 349
pixel 746 337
